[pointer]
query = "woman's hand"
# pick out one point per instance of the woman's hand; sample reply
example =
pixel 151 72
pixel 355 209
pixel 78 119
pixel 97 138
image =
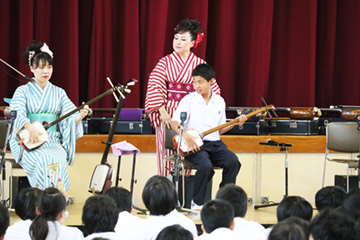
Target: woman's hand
pixel 164 116
pixel 34 133
pixel 83 113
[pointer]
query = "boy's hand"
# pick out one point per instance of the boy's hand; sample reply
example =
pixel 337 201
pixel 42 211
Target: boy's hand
pixel 242 119
pixel 191 142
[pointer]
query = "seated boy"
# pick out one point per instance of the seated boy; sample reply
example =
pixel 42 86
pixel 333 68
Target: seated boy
pixel 217 218
pixel 205 111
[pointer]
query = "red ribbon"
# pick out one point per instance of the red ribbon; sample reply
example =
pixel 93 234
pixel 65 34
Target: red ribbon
pixel 199 39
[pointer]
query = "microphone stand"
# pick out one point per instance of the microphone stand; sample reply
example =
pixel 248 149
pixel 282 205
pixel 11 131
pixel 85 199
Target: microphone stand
pixel 13 114
pixel 177 158
pixel 283 147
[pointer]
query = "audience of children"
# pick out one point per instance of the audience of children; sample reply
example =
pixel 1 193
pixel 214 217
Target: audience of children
pixel 127 224
pixel 217 217
pixel 160 198
pixel 50 210
pixel 237 197
pixel 25 207
pixel 109 216
pixel 100 216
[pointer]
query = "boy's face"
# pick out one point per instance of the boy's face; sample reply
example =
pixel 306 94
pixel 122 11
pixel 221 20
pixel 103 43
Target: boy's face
pixel 202 86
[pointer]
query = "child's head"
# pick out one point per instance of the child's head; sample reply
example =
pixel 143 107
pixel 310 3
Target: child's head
pixel 174 232
pixel 292 228
pixel 331 196
pixel 159 195
pixel 4 220
pixel 351 204
pixel 51 207
pixel 236 196
pixel 294 206
pixel 205 71
pixel 216 214
pixel 122 198
pixel 98 214
pixel 25 203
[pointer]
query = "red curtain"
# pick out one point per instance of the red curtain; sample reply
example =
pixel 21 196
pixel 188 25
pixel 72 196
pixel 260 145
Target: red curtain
pixel 292 53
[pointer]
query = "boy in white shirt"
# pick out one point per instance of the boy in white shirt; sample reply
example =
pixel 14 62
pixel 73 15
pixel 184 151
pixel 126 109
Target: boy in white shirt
pixel 127 224
pixel 237 197
pixel 206 110
pixel 217 218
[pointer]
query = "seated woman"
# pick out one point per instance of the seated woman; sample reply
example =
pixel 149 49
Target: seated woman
pixel 50 210
pixel 25 208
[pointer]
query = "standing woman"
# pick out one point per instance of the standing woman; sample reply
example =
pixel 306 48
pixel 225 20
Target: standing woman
pixel 170 81
pixel 42 101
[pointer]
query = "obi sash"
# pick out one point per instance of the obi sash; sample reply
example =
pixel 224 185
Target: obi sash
pixel 177 90
pixel 44 119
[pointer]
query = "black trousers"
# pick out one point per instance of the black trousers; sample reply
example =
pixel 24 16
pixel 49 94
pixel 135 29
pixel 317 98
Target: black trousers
pixel 213 153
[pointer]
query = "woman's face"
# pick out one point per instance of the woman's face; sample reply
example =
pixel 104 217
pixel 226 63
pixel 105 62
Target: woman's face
pixel 182 43
pixel 42 72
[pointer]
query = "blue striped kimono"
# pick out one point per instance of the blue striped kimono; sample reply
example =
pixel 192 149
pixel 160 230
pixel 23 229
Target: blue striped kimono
pixel 45 166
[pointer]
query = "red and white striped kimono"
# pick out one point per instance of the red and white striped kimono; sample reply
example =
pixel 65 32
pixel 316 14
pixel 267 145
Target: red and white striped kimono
pixel 168 83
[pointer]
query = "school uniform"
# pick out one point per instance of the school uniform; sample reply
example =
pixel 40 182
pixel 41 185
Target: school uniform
pixel 128 225
pixel 202 117
pixel 19 230
pixel 155 223
pixel 248 230
pixel 219 233
pixel 61 232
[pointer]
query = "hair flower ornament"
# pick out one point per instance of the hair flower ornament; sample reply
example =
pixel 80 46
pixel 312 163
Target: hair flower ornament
pixel 199 39
pixel 45 48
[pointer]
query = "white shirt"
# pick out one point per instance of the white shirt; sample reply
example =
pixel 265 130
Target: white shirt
pixel 128 225
pixel 61 232
pixel 106 235
pixel 219 233
pixel 248 230
pixel 19 230
pixel 154 224
pixel 202 116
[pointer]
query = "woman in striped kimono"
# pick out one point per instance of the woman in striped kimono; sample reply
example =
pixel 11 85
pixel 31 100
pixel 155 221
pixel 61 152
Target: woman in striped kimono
pixel 42 101
pixel 170 81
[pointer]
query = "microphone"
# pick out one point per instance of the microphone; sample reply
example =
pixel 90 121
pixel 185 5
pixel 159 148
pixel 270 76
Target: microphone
pixel 13 114
pixel 272 143
pixel 269 142
pixel 183 116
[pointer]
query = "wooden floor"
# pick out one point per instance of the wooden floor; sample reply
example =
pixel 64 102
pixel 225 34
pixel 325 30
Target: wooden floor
pixel 265 216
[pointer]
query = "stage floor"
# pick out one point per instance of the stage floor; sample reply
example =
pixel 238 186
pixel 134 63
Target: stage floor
pixel 265 216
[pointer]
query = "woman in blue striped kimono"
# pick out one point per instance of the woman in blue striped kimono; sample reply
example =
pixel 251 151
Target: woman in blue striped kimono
pixel 42 101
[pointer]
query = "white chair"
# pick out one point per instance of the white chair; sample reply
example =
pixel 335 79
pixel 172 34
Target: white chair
pixel 342 137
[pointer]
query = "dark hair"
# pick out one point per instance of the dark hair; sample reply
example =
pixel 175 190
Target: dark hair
pixel 99 214
pixel 294 206
pixel 26 201
pixel 159 195
pixel 52 202
pixel 38 57
pixel 292 228
pixel 174 232
pixel 331 196
pixel 190 25
pixel 4 219
pixel 351 204
pixel 332 224
pixel 236 196
pixel 122 198
pixel 216 214
pixel 204 70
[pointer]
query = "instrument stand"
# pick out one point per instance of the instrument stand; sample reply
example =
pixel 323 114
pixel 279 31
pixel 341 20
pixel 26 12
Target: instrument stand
pixel 283 147
pixel 133 180
pixel 4 201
